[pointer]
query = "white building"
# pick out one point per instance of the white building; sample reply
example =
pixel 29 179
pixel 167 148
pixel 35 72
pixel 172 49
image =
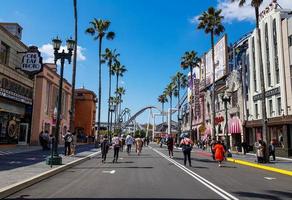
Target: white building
pixel 276 39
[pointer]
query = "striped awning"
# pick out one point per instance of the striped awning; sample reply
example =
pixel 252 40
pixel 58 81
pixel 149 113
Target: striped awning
pixel 234 126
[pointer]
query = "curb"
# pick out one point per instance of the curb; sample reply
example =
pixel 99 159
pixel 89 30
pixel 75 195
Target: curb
pixel 272 169
pixel 8 190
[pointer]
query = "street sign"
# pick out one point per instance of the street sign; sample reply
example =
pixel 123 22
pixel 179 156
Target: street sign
pixel 32 61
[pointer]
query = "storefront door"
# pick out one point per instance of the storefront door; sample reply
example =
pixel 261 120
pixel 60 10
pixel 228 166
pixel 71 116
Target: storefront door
pixel 23 132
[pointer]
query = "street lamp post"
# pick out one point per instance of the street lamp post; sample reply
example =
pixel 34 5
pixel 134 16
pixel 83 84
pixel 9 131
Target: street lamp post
pixel 226 99
pixel 56 159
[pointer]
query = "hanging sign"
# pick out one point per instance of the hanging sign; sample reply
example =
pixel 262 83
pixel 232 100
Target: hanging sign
pixel 32 61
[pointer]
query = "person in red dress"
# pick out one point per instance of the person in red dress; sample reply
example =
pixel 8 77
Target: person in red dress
pixel 219 152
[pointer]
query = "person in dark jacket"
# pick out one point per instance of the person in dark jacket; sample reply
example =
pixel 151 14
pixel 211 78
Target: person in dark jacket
pixel 104 148
pixel 170 146
pixel 272 150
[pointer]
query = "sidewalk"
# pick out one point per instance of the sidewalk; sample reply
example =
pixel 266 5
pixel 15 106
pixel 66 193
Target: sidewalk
pixel 281 165
pixel 19 167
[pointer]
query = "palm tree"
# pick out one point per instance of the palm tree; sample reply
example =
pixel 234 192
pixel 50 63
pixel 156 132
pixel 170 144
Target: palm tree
pixel 169 90
pixel 189 61
pixel 98 29
pixel 256 4
pixel 211 22
pixel 118 71
pixel 119 92
pixel 180 81
pixel 162 99
pixel 72 109
pixel 110 57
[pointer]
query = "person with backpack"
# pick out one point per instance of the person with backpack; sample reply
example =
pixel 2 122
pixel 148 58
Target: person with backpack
pixel 187 145
pixel 68 140
pixel 170 143
pixel 104 148
pixel 116 145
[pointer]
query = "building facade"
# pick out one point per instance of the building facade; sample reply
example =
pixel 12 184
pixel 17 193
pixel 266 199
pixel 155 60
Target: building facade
pixel 16 88
pixel 275 28
pixel 46 101
pixel 85 112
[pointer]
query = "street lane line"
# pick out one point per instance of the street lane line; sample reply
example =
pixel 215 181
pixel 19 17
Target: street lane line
pixel 109 172
pixel 270 178
pixel 202 180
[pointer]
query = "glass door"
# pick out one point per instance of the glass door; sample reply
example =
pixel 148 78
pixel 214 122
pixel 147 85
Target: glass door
pixel 23 132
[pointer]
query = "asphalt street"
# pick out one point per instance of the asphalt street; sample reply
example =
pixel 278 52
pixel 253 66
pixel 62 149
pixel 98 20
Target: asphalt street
pixel 153 175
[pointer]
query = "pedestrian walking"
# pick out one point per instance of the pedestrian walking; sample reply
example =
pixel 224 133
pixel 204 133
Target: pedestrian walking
pixel 139 145
pixel 116 145
pixel 68 139
pixel 187 145
pixel 259 151
pixel 219 152
pixel 272 150
pixel 170 143
pixel 244 147
pixel 129 142
pixel 104 148
pixel 74 143
pixel 212 144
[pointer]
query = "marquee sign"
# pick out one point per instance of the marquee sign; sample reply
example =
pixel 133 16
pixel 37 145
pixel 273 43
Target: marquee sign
pixel 32 61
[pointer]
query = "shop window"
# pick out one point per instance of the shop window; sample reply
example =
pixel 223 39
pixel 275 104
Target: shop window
pixel 290 40
pixel 279 109
pixel 276 51
pixel 4 53
pixel 256 111
pixel 234 99
pixel 276 133
pixel 254 65
pixel 47 105
pixel 268 55
pixel 271 107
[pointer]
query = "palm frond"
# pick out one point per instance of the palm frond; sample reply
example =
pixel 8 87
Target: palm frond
pixel 110 35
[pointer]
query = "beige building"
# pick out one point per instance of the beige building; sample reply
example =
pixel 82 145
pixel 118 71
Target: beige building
pixel 16 88
pixel 45 103
pixel 276 39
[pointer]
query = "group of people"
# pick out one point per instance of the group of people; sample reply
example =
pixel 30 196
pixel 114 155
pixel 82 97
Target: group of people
pixel 118 143
pixel 263 154
pixel 70 141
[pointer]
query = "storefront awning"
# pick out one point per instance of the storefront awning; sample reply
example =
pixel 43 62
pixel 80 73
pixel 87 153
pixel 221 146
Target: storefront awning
pixel 234 126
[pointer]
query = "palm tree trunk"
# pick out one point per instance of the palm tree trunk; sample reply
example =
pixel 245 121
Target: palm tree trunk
pixel 72 109
pixel 178 112
pixel 116 107
pixel 191 105
pixel 99 87
pixel 213 89
pixel 170 112
pixel 120 109
pixel 266 137
pixel 109 96
pixel 162 112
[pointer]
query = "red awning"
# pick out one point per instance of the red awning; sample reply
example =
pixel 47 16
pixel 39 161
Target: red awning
pixel 234 126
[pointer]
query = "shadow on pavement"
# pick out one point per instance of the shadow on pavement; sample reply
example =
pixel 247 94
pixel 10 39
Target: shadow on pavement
pixel 113 166
pixel 26 197
pixel 22 159
pixel 275 195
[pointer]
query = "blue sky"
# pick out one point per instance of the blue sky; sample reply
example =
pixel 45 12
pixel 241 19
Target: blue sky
pixel 151 36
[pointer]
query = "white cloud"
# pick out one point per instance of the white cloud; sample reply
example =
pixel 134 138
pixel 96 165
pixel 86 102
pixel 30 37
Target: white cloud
pixel 232 12
pixel 47 53
pixel 195 19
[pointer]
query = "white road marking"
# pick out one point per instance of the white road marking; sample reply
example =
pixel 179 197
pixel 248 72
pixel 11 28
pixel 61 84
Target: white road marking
pixel 121 158
pixel 109 172
pixel 269 178
pixel 199 178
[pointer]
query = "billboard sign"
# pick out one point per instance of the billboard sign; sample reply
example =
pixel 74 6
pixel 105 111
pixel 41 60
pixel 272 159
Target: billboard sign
pixel 220 57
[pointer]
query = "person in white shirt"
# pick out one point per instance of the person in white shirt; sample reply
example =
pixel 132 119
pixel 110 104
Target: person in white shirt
pixel 129 143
